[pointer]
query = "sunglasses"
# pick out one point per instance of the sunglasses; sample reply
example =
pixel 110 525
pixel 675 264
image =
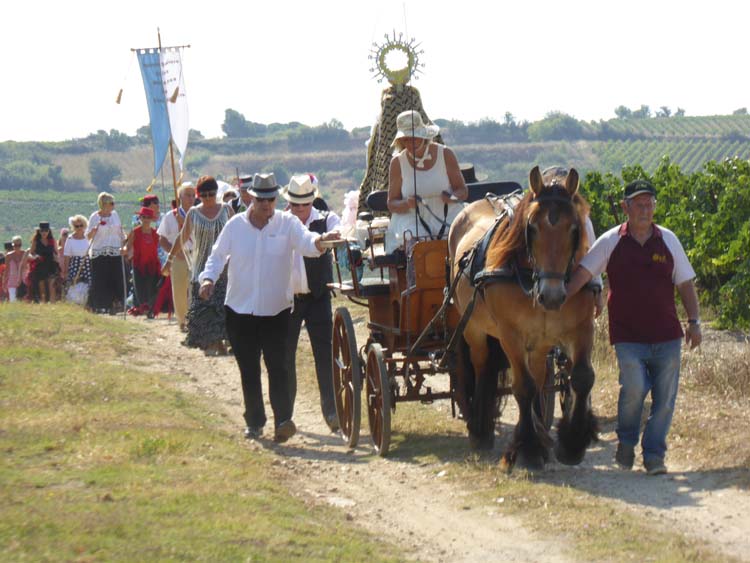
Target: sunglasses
pixel 43 230
pixel 78 226
pixel 268 199
pixel 212 193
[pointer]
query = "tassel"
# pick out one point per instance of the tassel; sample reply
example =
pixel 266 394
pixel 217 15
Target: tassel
pixel 119 96
pixel 173 99
pixel 151 185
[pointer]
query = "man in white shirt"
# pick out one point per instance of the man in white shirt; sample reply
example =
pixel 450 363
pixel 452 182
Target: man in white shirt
pixel 312 298
pixel 168 231
pixel 259 298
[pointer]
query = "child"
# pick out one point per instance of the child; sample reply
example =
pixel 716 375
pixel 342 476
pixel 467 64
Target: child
pixel 143 242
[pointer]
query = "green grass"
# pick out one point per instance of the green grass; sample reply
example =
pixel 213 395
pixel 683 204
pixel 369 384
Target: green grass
pixel 101 462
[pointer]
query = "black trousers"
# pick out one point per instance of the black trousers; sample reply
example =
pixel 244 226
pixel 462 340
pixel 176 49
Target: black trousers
pixel 251 335
pixel 316 313
pixel 146 288
pixel 106 281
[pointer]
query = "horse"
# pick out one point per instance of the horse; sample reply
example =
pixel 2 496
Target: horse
pixel 510 325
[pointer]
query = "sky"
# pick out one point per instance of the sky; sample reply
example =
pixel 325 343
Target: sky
pixel 63 63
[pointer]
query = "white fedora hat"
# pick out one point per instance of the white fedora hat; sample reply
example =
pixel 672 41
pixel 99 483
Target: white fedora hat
pixel 409 124
pixel 300 189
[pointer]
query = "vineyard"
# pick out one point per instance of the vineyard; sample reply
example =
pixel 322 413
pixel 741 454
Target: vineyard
pixel 689 154
pixel 673 127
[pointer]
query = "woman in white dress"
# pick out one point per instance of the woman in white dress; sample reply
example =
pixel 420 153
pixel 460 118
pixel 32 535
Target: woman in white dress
pixel 425 186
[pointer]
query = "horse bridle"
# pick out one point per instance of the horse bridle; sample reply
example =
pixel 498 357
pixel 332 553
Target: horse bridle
pixel 554 193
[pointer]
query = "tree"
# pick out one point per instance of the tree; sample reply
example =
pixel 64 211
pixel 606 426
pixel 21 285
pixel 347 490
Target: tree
pixel 235 125
pixel 102 173
pixel 679 113
pixel 740 111
pixel 644 112
pixel 663 111
pixel 555 126
pixel 623 112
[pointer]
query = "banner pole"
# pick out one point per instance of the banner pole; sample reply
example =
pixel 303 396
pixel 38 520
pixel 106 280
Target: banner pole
pixel 171 151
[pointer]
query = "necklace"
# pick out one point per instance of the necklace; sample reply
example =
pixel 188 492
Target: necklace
pixel 419 161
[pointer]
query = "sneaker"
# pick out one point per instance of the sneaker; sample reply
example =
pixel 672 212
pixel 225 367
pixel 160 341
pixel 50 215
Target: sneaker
pixel 285 430
pixel 625 456
pixel 655 466
pixel 253 432
pixel 332 420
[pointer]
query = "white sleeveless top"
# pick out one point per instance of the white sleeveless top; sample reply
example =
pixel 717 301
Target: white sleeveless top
pixel 429 186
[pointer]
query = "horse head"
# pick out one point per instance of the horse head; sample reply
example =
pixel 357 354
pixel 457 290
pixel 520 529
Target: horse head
pixel 552 233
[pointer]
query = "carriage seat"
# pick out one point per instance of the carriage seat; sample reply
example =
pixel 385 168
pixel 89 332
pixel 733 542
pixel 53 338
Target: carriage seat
pixel 374 287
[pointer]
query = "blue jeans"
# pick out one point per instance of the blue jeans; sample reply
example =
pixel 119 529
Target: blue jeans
pixel 647 368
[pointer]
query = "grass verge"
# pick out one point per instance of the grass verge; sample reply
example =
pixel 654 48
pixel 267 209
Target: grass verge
pixel 101 462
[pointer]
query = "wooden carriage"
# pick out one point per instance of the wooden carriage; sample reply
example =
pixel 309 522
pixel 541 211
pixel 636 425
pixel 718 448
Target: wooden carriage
pixel 405 301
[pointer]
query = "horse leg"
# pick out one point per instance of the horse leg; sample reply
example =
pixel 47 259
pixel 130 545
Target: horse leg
pixel 531 441
pixel 578 426
pixel 486 359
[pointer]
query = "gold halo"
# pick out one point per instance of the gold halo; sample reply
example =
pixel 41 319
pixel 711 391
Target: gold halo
pixel 398 76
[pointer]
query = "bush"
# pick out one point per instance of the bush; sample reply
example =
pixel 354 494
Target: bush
pixel 102 173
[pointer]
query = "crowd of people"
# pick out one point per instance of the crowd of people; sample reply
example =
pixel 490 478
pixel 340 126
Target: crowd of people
pixel 159 265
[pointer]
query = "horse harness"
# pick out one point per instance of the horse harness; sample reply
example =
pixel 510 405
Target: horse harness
pixel 527 278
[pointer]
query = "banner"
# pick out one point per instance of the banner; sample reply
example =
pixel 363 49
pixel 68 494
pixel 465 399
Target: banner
pixel 174 82
pixel 150 64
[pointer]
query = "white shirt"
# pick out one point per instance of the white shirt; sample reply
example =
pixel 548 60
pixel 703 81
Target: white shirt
pixel 260 268
pixel 109 236
pixel 76 247
pixel 299 275
pixel 170 230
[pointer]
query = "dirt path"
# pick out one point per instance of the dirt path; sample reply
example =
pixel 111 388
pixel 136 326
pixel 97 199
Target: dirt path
pixel 416 507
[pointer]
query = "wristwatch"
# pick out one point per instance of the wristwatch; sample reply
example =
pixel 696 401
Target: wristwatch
pixel 696 322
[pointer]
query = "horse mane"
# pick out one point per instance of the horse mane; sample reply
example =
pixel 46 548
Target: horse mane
pixel 511 240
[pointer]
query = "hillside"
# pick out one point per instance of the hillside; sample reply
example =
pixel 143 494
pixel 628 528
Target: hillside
pixel 339 160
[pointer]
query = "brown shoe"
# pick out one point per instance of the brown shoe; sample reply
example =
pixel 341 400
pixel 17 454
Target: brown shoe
pixel 285 430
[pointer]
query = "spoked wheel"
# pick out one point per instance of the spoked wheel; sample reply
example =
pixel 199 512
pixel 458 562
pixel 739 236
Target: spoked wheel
pixel 546 397
pixel 378 390
pixel 347 376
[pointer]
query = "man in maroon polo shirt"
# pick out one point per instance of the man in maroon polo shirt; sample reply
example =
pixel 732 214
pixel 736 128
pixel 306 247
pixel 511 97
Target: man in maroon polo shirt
pixel 644 262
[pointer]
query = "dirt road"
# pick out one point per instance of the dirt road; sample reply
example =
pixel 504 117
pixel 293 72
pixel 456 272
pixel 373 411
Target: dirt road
pixel 419 507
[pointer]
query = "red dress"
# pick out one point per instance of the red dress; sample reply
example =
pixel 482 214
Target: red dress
pixel 146 251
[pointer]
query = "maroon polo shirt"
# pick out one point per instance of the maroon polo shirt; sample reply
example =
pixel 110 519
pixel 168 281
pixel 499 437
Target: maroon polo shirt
pixel 641 292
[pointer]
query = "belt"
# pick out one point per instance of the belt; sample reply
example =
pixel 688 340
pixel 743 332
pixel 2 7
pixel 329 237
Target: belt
pixel 303 295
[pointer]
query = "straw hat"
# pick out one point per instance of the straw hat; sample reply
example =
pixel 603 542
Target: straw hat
pixel 409 124
pixel 300 189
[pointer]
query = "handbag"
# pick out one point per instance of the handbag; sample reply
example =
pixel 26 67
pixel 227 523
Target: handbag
pixel 78 293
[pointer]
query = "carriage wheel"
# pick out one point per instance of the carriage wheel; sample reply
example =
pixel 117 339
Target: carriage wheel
pixel 546 396
pixel 347 376
pixel 378 391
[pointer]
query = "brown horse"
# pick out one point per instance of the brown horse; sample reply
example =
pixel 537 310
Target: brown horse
pixel 509 324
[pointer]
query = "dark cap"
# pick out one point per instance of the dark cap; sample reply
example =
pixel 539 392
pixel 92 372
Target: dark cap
pixel 639 187
pixel 8 246
pixel 44 226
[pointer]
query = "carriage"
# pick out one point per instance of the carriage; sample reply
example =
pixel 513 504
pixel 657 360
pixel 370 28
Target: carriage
pixel 413 328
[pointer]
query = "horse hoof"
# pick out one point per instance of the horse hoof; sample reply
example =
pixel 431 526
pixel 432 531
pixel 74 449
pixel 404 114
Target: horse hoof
pixel 530 462
pixel 568 458
pixel 481 442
